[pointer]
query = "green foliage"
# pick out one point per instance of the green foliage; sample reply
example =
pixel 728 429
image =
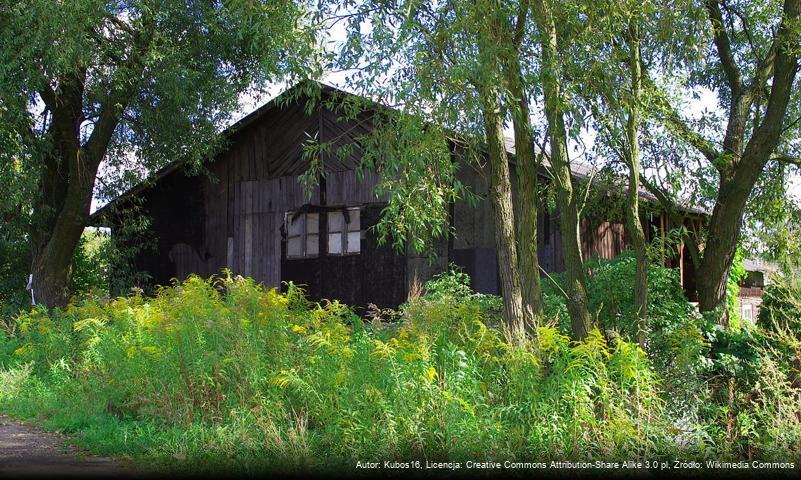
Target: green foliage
pixel 223 373
pixel 90 263
pixel 455 285
pixel 142 55
pixel 15 261
pixel 677 343
pixel 249 374
pixel 736 274
pixel 91 82
pixel 781 306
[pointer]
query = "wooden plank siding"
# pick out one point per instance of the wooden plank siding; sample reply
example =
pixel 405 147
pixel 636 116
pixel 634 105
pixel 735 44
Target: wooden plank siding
pixel 233 217
pixel 237 211
pixel 602 239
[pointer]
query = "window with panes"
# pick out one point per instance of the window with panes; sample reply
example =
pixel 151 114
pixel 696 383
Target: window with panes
pixel 343 235
pixel 344 231
pixel 303 235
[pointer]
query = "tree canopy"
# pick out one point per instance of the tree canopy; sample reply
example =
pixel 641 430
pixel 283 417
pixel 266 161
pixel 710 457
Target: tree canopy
pixel 129 85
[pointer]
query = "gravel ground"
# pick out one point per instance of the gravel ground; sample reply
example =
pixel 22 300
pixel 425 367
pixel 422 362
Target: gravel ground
pixel 26 451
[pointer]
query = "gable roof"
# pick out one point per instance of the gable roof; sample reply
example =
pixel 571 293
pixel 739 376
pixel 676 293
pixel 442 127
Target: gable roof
pixel 228 132
pixel 580 170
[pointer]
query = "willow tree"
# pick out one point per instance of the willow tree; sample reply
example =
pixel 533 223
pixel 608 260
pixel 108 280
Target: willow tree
pixel 459 66
pixel 615 96
pixel 135 84
pixel 751 64
pixel 553 21
pixel 620 119
pixel 512 33
pixel 632 158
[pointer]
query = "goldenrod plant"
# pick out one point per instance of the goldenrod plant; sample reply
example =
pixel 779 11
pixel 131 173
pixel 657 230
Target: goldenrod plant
pixel 223 373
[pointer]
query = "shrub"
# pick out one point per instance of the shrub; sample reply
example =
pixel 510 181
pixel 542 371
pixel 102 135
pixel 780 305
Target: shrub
pixel 220 369
pixel 677 343
pixel 455 286
pixel 90 265
pixel 224 374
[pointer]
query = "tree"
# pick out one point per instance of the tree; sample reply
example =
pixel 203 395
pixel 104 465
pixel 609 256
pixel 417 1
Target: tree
pixel 135 84
pixel 510 37
pixel 616 99
pixel 545 14
pixel 632 157
pixel 448 66
pixel 752 66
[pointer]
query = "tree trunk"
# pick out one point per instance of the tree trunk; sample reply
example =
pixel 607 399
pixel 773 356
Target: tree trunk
pixel 740 172
pixel 566 200
pixel 633 197
pixel 54 241
pixel 66 184
pixel 723 235
pixel 528 186
pixel 500 188
pixel 501 196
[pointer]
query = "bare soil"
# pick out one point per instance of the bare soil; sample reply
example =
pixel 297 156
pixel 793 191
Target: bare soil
pixel 26 451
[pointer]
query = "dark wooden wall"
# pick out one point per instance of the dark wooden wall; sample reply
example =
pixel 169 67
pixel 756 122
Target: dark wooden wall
pixel 232 219
pixel 176 240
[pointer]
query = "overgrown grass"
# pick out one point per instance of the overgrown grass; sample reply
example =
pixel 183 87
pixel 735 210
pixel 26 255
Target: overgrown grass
pixel 224 374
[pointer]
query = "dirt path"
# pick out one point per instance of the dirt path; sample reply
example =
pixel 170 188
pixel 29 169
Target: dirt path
pixel 26 451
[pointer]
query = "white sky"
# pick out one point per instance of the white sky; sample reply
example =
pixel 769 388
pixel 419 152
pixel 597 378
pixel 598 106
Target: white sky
pixel 706 101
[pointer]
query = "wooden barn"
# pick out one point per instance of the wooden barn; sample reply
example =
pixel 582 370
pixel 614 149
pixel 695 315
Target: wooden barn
pixel 252 216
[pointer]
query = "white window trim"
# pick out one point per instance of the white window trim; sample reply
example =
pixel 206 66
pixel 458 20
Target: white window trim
pixel 750 309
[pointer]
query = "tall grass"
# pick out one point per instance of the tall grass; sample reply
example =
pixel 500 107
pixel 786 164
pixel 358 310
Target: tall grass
pixel 222 373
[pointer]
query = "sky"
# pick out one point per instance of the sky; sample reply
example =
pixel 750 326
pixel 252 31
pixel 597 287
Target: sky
pixel 705 100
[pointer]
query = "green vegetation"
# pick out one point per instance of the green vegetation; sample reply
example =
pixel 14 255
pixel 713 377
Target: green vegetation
pixel 223 373
pixel 91 264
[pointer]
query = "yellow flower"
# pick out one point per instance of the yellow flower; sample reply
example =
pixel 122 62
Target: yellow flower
pixel 382 350
pixel 282 379
pixel 24 350
pixel 273 298
pixel 347 352
pixel 81 325
pixel 431 374
pixel 151 350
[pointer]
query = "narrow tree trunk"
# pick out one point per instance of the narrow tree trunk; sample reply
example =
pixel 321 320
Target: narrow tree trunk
pixel 501 196
pixel 633 208
pixel 566 200
pixel 528 186
pixel 500 183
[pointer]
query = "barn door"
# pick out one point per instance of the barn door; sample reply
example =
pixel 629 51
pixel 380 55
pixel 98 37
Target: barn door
pixel 253 245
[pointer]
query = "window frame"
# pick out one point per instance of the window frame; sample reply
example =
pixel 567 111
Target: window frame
pixel 344 233
pixel 750 308
pixel 289 219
